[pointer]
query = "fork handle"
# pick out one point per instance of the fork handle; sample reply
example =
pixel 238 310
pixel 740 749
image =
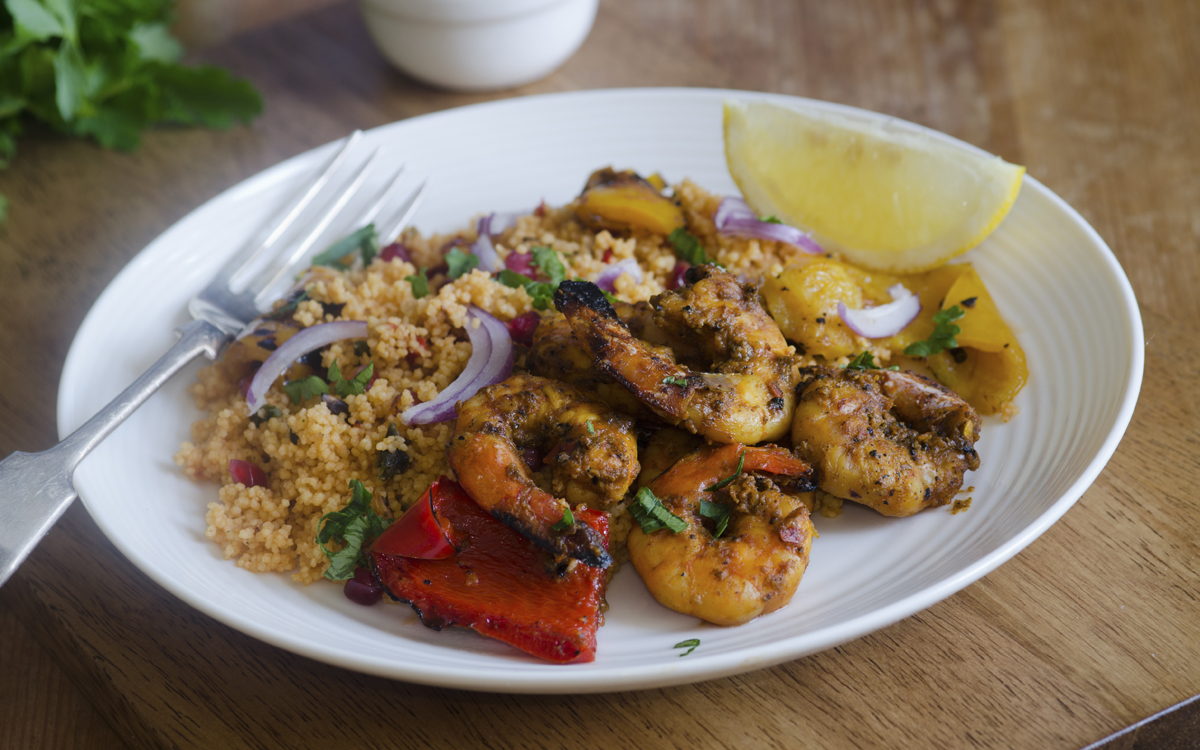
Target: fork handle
pixel 36 488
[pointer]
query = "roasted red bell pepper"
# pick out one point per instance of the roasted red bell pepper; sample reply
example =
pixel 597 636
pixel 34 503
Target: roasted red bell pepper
pixel 499 584
pixel 418 533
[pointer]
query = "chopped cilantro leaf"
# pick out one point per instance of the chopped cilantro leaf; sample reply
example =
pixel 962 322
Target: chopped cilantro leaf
pixel 362 348
pixel 460 263
pixel 364 240
pixel 770 220
pixel 591 429
pixel 652 515
pixel 864 361
pixel 731 477
pixel 612 298
pixel 673 380
pixel 689 644
pixel 943 336
pixel 718 513
pixel 357 384
pixel 269 411
pixel 542 294
pixel 568 520
pixel 420 283
pixel 547 260
pixel 304 389
pixel 289 306
pixel 512 279
pixel 687 247
pixel 355 526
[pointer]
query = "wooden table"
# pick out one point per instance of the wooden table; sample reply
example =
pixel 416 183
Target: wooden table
pixel 1094 626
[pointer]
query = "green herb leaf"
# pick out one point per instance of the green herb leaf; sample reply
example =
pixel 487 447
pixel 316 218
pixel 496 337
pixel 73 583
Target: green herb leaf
pixel 568 520
pixel 302 390
pixel 943 336
pixel 689 644
pixel 353 386
pixel 512 279
pixel 652 515
pixel 420 283
pixel 612 298
pixel 362 348
pixel 590 428
pixel 770 219
pixel 542 294
pixel 364 240
pixel 864 361
pixel 460 263
pixel 355 526
pixel 687 247
pixel 392 462
pixel 674 380
pixel 154 42
pixel 34 21
pixel 268 412
pixel 547 260
pixel 728 479
pixel 718 513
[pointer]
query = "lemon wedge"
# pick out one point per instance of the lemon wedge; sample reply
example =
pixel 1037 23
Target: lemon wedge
pixel 887 197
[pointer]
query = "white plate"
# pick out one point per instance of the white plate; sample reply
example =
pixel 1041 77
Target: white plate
pixel 1051 274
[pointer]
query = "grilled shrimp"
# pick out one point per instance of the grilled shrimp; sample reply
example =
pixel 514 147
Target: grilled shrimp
pixel 590 450
pixel 745 393
pixel 755 563
pixel 895 441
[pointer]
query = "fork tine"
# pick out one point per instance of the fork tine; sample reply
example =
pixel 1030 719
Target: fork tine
pixel 391 233
pixel 246 258
pixel 281 267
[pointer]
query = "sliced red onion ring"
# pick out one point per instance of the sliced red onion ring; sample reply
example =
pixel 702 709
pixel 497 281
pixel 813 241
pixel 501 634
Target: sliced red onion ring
pixel 307 340
pixel 735 217
pixel 489 226
pixel 491 361
pixel 884 320
pixel 607 278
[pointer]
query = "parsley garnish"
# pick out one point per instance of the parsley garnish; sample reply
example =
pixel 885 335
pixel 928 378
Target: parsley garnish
pixel 591 429
pixel 105 71
pixel 652 515
pixel 731 477
pixel 718 513
pixel 289 307
pixel 420 283
pixel 943 334
pixel 362 348
pixel 356 385
pixel 568 520
pixel 866 361
pixel 460 263
pixel 674 380
pixel 689 644
pixel 512 279
pixel 364 240
pixel 354 526
pixel 302 390
pixel 687 247
pixel 612 298
pixel 547 260
pixel 270 411
pixel 770 219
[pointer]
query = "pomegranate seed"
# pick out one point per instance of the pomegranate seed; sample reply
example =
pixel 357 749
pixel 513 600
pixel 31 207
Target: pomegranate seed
pixel 394 251
pixel 362 588
pixel 521 263
pixel 522 327
pixel 676 278
pixel 608 256
pixel 246 473
pixel 533 458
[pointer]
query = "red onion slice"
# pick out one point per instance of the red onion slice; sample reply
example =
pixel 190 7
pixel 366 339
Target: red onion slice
pixel 734 217
pixel 491 362
pixel 307 340
pixel 884 320
pixel 482 248
pixel 607 278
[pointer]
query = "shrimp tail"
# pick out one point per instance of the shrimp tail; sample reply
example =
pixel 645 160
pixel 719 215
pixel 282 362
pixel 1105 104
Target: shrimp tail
pixel 649 372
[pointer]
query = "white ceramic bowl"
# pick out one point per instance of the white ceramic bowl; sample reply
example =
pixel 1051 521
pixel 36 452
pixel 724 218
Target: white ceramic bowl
pixel 478 45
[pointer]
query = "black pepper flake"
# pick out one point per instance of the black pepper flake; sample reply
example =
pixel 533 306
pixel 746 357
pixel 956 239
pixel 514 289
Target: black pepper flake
pixel 959 354
pixel 821 320
pixel 969 302
pixel 775 404
pixel 293 437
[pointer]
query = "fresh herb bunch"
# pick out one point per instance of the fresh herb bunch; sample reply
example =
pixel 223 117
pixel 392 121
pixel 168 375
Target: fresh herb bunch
pixel 105 70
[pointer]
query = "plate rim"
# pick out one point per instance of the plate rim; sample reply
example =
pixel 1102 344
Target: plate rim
pixel 699 666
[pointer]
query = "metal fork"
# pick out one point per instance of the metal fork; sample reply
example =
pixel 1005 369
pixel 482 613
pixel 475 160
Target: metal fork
pixel 36 488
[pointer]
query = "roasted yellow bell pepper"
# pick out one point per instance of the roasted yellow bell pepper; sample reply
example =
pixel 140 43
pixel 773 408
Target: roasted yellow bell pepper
pixel 623 201
pixel 803 300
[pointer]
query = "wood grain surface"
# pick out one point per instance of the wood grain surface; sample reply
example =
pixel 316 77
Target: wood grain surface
pixel 1093 627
